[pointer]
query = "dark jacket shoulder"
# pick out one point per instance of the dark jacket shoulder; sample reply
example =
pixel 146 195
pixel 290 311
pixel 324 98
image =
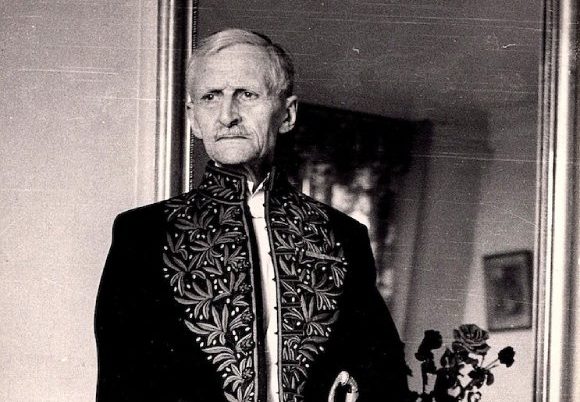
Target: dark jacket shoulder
pixel 149 216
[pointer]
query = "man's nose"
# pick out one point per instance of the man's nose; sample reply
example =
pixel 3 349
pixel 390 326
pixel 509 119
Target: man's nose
pixel 229 113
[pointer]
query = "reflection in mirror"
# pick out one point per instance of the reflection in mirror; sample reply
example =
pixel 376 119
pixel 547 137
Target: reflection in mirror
pixel 464 78
pixel 357 163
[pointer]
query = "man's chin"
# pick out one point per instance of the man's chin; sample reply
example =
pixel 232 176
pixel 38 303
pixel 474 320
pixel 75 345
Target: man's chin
pixel 235 153
pixel 233 161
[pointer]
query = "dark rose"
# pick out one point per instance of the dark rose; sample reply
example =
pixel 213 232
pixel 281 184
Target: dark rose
pixel 506 356
pixel 471 338
pixel 432 340
pixel 478 376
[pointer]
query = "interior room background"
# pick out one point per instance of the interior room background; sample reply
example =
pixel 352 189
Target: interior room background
pixel 79 83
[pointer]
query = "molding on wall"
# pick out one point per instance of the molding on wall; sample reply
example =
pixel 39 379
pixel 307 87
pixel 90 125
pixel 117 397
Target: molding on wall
pixel 557 318
pixel 146 124
pixel 175 38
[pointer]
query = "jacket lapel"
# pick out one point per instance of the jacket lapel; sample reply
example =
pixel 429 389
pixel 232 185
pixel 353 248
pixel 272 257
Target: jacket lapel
pixel 208 264
pixel 311 270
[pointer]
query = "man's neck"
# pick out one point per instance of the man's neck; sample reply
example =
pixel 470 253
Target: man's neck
pixel 254 173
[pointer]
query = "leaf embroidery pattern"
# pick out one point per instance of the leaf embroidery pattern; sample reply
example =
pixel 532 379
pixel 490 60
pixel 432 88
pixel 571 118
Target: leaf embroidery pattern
pixel 309 286
pixel 206 262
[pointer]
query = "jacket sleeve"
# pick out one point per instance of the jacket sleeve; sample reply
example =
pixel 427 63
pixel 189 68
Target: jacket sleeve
pixel 376 353
pixel 113 320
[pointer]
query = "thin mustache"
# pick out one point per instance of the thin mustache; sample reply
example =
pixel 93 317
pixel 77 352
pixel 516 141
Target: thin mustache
pixel 232 132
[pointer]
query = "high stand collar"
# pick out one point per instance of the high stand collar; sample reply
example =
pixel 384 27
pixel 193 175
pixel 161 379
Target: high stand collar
pixel 225 185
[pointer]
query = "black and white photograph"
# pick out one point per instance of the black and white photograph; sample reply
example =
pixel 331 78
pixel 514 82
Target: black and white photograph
pixel 289 201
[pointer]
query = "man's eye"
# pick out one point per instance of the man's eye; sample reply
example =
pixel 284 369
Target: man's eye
pixel 248 95
pixel 210 97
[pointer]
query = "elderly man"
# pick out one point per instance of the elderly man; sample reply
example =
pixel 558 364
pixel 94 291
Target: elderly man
pixel 243 289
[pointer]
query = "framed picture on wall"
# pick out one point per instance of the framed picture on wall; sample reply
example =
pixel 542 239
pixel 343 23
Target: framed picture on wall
pixel 508 283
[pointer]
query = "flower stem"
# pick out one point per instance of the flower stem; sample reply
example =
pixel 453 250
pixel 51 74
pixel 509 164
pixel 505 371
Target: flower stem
pixel 489 366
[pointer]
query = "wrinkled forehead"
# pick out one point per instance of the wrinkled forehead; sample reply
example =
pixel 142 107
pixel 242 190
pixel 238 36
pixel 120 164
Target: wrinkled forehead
pixel 236 64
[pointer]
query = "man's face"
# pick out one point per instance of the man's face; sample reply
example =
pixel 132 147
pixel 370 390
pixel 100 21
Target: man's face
pixel 231 108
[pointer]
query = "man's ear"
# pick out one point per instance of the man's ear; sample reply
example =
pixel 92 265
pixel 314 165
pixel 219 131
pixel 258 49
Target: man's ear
pixel 192 122
pixel 290 111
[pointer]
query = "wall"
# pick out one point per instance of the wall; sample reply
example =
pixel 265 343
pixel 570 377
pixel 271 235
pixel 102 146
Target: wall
pixel 445 239
pixel 506 222
pixel 480 200
pixel 78 119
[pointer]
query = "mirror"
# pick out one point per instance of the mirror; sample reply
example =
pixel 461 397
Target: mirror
pixel 469 72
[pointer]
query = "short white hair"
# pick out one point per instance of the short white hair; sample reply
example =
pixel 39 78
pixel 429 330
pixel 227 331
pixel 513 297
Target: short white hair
pixel 279 72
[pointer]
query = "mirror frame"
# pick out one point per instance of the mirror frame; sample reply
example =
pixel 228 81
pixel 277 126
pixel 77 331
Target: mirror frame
pixel 557 266
pixel 177 35
pixel 557 273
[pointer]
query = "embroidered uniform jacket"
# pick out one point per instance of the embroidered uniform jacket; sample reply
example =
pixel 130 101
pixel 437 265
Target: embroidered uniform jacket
pixel 177 315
